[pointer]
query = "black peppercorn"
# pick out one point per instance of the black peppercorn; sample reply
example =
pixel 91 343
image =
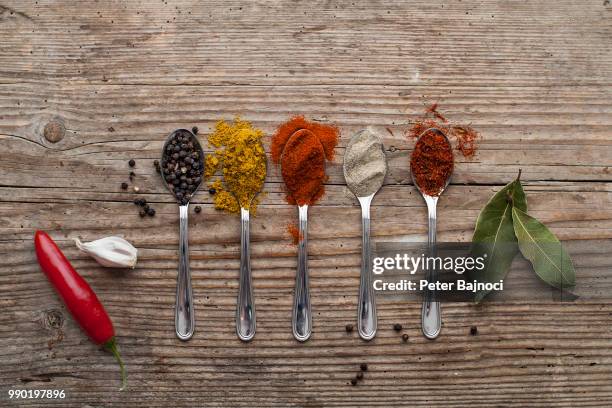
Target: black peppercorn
pixel 132 162
pixel 364 367
pixel 197 209
pixel 353 381
pixel 397 327
pixel 151 212
pixel 124 186
pixel 348 328
pixel 473 330
pixel 142 213
pixel 359 376
pixel 194 130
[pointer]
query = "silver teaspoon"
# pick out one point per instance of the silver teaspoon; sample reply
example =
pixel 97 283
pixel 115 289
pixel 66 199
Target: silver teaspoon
pixel 431 320
pixel 245 306
pixel 187 161
pixel 365 167
pixel 302 313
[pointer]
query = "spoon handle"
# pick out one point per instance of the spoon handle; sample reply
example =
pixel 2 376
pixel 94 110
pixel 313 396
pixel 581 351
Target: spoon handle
pixel 431 322
pixel 302 317
pixel 184 318
pixel 366 314
pixel 245 308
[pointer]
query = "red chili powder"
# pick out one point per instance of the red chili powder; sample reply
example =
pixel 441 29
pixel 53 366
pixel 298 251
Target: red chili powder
pixel 303 168
pixel 327 134
pixel 294 232
pixel 303 147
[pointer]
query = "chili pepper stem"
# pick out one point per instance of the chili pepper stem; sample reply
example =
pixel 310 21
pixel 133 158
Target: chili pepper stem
pixel 111 346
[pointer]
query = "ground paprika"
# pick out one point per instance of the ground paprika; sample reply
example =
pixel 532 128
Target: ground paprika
pixel 301 148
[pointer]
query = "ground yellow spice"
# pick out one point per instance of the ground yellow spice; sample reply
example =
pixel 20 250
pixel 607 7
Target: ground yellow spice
pixel 241 157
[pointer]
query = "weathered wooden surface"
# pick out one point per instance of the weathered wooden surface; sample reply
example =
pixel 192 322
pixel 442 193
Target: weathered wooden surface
pixel 533 77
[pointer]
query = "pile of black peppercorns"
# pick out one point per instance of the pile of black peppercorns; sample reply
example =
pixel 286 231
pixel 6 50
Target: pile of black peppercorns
pixel 182 165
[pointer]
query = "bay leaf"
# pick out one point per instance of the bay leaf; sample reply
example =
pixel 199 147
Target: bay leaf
pixel 543 249
pixel 494 235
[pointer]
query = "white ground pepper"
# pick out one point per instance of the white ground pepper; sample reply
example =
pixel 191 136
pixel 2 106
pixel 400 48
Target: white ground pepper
pixel 365 163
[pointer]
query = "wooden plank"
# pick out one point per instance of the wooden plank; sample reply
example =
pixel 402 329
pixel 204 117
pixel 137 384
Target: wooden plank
pixel 532 77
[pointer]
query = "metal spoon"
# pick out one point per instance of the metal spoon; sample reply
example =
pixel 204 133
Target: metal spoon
pixel 302 314
pixel 184 320
pixel 431 321
pixel 245 306
pixel 366 314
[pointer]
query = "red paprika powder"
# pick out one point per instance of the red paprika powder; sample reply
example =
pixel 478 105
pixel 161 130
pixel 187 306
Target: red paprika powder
pixel 303 168
pixel 327 135
pixel 301 148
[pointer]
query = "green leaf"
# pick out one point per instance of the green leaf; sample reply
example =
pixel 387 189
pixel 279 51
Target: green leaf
pixel 494 234
pixel 542 248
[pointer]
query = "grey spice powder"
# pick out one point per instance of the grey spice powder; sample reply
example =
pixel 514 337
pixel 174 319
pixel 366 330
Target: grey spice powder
pixel 365 163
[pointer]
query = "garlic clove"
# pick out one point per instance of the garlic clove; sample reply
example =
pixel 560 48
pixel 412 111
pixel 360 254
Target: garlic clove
pixel 112 252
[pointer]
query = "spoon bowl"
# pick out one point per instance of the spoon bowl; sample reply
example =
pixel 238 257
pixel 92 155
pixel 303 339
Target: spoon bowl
pixel 166 175
pixel 447 181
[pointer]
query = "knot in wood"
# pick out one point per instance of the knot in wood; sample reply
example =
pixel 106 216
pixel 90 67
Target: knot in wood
pixel 53 319
pixel 54 131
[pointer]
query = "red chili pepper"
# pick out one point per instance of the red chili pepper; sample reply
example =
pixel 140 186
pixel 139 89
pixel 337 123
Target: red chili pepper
pixel 78 296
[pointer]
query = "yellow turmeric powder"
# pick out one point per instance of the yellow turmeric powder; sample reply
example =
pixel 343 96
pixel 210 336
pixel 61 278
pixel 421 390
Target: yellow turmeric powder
pixel 241 156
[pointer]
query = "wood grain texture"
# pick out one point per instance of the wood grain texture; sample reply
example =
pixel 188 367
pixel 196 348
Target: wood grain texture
pixel 535 78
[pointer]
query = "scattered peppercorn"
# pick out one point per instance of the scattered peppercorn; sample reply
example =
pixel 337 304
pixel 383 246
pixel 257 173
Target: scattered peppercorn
pixel 473 330
pixel 132 175
pixel 132 162
pixel 348 328
pixel 212 191
pixel 151 212
pixel 124 186
pixel 156 165
pixel 405 337
pixel 397 327
pixel 359 376
pixel 353 381
pixel 197 209
pixel 142 213
pixel 364 367
pixel 194 130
